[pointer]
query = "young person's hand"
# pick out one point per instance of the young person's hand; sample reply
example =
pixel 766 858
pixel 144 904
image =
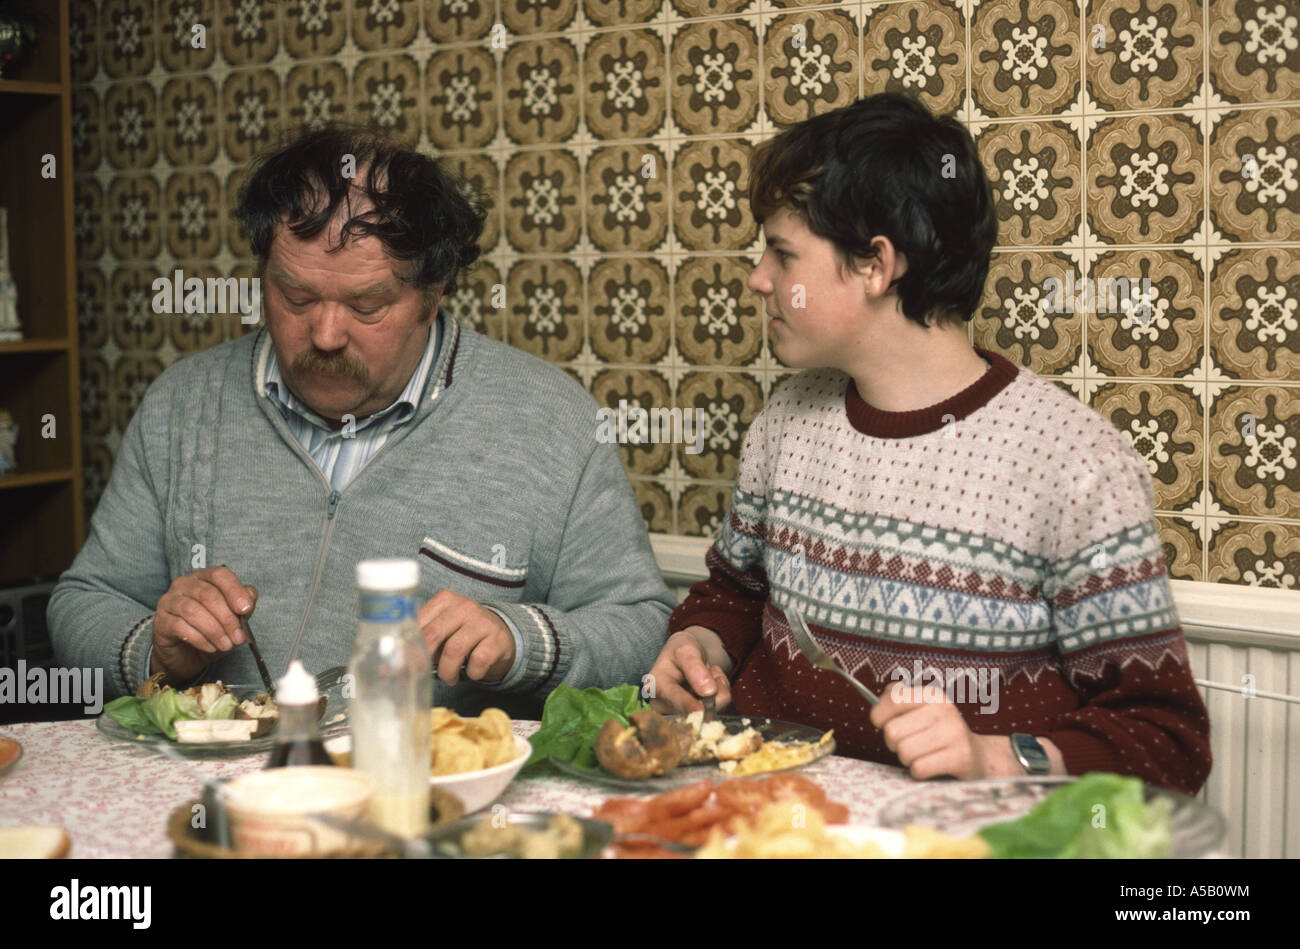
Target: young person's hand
pixel 931 738
pixel 692 663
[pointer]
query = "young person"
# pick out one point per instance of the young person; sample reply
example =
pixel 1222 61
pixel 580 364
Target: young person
pixel 972 543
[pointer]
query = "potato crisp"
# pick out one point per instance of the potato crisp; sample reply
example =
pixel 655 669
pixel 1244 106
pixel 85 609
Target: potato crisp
pixel 470 744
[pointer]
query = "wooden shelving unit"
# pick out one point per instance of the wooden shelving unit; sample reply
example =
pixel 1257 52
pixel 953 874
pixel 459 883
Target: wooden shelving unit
pixel 41 515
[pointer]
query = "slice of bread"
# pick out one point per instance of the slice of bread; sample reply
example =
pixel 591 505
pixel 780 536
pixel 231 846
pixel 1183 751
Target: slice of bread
pixel 38 843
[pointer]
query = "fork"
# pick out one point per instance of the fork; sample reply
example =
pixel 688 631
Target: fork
pixel 819 657
pixel 710 703
pixel 330 677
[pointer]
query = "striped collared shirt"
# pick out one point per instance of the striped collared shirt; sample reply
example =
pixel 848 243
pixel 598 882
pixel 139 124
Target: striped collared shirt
pixel 340 458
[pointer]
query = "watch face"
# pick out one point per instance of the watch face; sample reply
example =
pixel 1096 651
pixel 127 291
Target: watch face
pixel 1031 750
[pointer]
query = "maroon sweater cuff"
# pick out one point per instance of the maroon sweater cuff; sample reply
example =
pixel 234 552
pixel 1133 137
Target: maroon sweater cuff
pixel 738 630
pixel 1084 752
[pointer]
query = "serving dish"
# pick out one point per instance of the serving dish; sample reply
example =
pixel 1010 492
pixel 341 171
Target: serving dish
pixel 445 841
pixel 273 812
pixel 475 789
pixel 191 842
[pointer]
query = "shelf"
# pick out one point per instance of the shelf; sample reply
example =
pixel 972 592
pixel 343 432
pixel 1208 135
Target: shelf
pixel 29 478
pixel 34 346
pixel 42 511
pixel 31 87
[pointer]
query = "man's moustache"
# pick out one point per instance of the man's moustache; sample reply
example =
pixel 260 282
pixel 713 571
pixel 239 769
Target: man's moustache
pixel 335 366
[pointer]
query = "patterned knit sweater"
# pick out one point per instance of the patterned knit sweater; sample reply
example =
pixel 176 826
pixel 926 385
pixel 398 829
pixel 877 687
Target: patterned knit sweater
pixel 999 546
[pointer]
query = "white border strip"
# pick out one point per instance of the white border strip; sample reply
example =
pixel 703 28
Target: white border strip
pixel 514 573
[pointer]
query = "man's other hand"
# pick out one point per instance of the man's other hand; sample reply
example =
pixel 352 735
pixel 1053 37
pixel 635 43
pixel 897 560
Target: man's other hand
pixel 462 635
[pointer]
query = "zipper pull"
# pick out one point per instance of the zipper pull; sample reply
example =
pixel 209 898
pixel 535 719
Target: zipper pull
pixel 334 502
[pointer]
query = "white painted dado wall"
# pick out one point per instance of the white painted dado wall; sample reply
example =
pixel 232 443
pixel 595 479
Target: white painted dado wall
pixel 1232 632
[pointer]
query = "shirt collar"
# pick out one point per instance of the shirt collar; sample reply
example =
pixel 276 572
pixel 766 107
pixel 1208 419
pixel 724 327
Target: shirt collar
pixel 402 408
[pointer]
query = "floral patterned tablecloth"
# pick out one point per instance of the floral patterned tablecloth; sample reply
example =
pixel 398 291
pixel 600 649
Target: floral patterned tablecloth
pixel 114 797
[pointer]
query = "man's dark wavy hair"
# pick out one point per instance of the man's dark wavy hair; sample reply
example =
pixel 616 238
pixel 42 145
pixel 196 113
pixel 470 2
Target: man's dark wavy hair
pixel 421 213
pixel 877 168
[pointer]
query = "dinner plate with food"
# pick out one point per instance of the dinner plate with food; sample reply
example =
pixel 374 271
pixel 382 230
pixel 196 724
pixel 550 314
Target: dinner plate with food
pixel 215 719
pixel 1057 816
pixel 778 816
pixel 655 751
pixel 779 834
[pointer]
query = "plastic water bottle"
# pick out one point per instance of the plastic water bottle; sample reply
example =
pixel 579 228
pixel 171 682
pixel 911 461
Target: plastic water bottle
pixel 393 692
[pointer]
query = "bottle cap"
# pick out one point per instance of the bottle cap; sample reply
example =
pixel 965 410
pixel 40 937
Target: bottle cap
pixel 297 687
pixel 391 575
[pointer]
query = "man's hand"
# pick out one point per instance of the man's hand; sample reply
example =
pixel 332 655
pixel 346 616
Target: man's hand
pixel 462 634
pixel 692 663
pixel 197 618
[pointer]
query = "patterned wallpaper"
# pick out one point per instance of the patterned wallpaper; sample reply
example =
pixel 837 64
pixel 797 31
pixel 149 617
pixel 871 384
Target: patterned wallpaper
pixel 1132 138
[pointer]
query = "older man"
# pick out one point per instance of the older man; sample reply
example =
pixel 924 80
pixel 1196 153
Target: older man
pixel 364 422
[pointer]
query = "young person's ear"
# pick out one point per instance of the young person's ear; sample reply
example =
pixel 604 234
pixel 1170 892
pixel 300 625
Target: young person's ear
pixel 883 269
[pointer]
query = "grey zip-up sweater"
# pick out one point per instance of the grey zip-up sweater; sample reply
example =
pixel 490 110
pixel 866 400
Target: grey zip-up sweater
pixel 497 486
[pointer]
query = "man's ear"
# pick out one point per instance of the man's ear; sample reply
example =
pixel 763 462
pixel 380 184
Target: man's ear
pixel 433 298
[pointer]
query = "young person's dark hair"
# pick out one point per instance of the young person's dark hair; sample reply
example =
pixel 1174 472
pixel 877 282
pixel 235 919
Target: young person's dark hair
pixel 885 166
pixel 420 213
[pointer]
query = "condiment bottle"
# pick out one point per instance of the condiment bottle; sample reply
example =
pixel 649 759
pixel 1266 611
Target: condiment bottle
pixel 297 740
pixel 392 695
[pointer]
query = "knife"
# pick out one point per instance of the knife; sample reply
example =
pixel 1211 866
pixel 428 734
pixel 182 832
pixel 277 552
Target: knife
pixel 257 655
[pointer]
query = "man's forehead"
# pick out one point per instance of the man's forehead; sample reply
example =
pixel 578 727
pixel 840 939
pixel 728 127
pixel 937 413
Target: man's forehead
pixel 372 286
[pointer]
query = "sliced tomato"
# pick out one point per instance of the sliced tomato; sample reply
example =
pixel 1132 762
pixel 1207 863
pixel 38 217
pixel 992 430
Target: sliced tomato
pixel 700 835
pixel 674 827
pixel 782 787
pixel 680 801
pixel 831 812
pixel 743 797
pixel 627 814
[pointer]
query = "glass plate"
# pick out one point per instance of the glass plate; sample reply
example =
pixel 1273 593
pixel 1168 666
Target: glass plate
pixel 445 841
pixel 961 808
pixel 771 729
pixel 334 704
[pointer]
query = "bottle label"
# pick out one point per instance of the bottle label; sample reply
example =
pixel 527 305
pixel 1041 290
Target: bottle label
pixel 387 607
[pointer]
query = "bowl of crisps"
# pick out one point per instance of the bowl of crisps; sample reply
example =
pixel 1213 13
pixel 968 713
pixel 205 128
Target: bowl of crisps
pixel 473 758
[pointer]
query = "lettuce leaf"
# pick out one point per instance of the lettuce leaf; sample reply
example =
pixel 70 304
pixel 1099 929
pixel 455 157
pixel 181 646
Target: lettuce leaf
pixel 168 706
pixel 1099 815
pixel 128 713
pixel 571 719
pixel 223 707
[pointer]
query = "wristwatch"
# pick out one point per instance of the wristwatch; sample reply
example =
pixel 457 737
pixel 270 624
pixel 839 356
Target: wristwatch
pixel 1029 752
